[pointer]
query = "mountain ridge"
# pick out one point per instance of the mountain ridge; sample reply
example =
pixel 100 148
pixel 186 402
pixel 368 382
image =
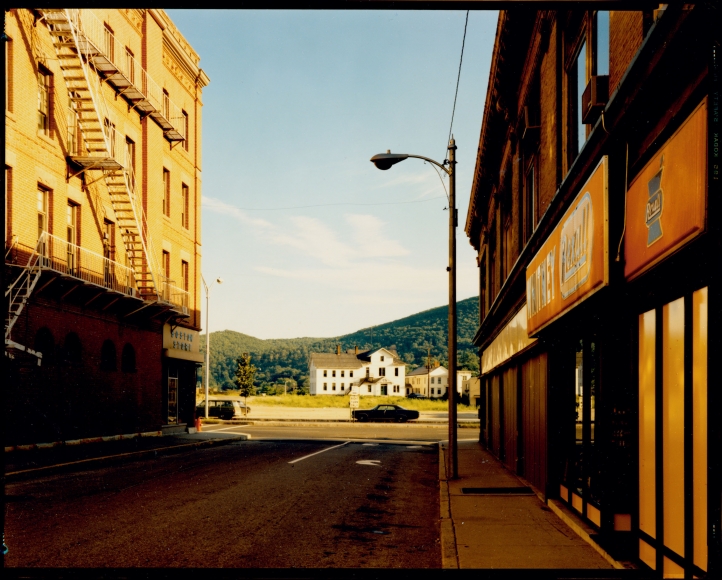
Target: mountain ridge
pixel 285 360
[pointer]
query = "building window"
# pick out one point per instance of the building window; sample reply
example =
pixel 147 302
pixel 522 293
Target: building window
pixel 184 275
pixel 109 41
pixel 130 160
pixel 325 373
pixel 165 264
pixel 350 373
pixel 186 205
pixel 44 109
pixel 72 123
pixel 166 192
pixel 325 386
pixel 9 74
pixel 43 219
pixel 382 371
pixel 110 135
pixel 396 372
pixel 129 65
pixel 342 373
pixel 529 201
pixel 382 358
pixel 333 386
pixel 333 373
pixel 369 388
pixel 601 43
pixel 368 371
pixel 71 223
pixel 343 386
pixel 166 104
pixel 127 359
pixel 186 130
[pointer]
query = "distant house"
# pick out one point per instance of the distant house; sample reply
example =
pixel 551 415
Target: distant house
pixel 433 382
pixel 471 387
pixel 378 372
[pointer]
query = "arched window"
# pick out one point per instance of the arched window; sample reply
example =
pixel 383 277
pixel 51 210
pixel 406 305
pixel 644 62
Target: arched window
pixel 127 359
pixel 72 349
pixel 45 343
pixel 108 356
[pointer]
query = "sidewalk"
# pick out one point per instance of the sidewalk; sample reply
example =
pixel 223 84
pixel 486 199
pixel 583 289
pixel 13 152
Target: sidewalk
pixel 508 527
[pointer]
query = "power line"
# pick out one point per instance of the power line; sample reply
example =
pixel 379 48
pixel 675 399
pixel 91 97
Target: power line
pixel 457 79
pixel 330 204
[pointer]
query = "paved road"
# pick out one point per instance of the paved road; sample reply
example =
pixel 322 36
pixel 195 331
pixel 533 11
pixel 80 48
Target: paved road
pixel 248 504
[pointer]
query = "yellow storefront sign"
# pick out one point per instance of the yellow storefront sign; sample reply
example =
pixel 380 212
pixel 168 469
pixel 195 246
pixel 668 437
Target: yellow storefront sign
pixel 573 262
pixel 181 343
pixel 666 202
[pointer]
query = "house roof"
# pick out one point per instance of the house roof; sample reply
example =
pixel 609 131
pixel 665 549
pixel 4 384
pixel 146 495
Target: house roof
pixel 424 371
pixel 325 360
pixel 348 359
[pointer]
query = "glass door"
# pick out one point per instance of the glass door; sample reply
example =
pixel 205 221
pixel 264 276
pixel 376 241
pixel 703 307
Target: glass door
pixel 172 396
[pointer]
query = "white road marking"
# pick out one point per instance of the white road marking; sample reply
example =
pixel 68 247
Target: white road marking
pixel 414 447
pixel 374 462
pixel 371 444
pixel 317 452
pixel 221 429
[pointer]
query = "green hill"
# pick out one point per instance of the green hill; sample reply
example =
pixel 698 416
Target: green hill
pixel 285 360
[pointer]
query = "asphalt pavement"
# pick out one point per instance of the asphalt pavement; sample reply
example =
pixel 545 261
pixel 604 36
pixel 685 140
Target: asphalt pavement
pixel 250 504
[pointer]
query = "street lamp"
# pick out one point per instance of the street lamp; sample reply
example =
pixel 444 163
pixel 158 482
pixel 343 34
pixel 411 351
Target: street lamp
pixel 384 161
pixel 208 334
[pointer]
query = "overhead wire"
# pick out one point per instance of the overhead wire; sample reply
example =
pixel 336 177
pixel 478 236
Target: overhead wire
pixel 458 77
pixel 331 204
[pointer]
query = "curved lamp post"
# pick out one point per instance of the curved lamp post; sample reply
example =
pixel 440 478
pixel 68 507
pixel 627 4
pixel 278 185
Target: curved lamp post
pixel 384 161
pixel 208 334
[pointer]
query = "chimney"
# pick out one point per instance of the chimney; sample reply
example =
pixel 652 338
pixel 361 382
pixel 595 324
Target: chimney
pixel 436 364
pixel 355 347
pixel 338 349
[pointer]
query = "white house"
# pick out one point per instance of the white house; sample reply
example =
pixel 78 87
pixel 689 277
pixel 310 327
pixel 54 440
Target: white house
pixel 433 382
pixel 378 372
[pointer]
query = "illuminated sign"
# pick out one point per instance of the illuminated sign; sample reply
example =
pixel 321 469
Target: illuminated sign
pixel 666 201
pixel 573 262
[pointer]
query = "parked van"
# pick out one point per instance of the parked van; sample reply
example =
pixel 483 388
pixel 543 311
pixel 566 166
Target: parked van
pixel 223 408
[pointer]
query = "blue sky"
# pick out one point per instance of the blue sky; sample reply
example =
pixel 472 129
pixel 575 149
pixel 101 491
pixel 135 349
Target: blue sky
pixel 309 237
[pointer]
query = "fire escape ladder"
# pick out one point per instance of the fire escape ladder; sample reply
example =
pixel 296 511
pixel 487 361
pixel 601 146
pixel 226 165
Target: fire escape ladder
pixel 19 292
pixel 103 150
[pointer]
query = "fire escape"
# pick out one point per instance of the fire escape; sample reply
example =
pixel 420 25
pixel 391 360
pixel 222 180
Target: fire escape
pixel 86 52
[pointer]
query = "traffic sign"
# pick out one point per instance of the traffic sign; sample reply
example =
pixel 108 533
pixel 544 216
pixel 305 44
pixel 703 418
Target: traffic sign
pixel 353 400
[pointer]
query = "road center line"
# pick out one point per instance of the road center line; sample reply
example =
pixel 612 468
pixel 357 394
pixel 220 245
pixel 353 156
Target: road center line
pixel 222 429
pixel 317 452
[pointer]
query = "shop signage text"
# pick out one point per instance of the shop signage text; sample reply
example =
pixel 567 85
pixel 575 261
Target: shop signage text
pixel 573 262
pixel 666 201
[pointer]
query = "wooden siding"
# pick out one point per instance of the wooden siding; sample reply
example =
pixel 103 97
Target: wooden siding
pixel 534 418
pixel 510 424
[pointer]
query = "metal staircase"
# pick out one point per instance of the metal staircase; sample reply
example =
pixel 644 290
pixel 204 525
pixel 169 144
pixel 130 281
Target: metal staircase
pixel 17 296
pixel 102 149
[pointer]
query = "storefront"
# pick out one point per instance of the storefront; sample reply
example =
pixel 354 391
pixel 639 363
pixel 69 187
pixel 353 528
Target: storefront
pixel 181 357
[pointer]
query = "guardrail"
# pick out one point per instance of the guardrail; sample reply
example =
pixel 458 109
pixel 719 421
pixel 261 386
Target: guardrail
pixel 172 294
pixel 69 259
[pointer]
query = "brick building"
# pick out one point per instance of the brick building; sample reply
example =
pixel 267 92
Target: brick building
pixel 594 211
pixel 102 223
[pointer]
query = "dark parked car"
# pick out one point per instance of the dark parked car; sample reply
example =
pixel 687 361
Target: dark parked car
pixel 386 413
pixel 223 408
pixel 415 396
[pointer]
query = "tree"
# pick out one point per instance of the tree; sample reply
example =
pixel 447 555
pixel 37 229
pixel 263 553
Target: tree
pixel 245 375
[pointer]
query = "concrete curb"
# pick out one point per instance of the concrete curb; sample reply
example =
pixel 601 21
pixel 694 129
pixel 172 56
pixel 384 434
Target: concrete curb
pixel 560 511
pixel 345 422
pixel 49 469
pixel 70 442
pixel 449 556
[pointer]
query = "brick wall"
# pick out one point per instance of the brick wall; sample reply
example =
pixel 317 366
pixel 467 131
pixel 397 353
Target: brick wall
pixel 65 400
pixel 625 38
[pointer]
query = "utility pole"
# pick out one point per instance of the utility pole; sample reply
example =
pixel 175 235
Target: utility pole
pixel 453 472
pixel 428 373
